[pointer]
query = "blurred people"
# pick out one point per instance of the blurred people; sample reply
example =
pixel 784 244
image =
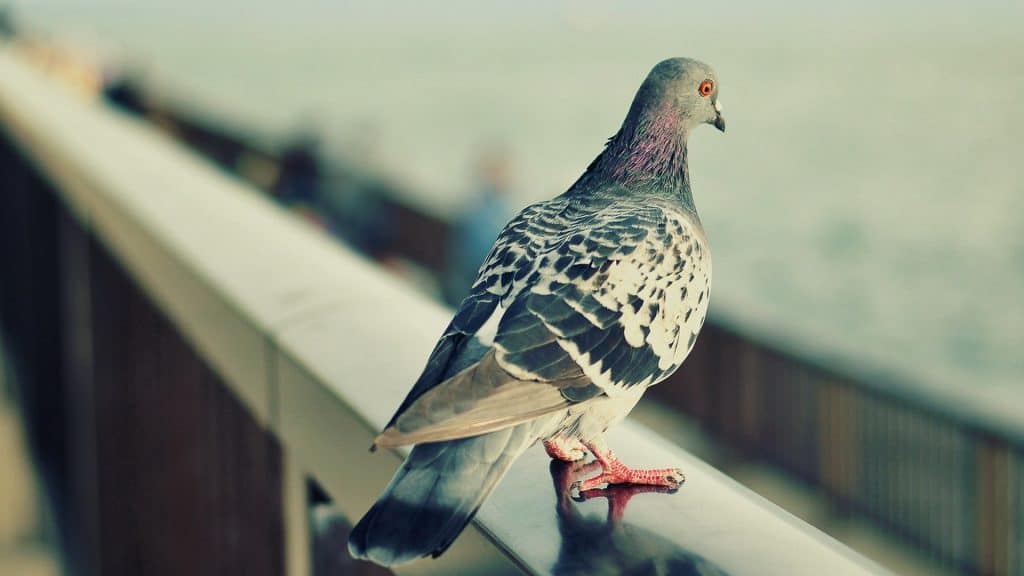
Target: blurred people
pixel 124 91
pixel 474 230
pixel 354 189
pixel 299 181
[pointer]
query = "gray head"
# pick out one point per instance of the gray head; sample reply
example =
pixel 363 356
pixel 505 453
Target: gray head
pixel 679 93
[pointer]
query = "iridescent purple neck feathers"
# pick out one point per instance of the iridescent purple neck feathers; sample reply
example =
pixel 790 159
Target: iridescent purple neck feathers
pixel 648 149
pixel 648 154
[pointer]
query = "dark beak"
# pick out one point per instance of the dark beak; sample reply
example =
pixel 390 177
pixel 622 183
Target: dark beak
pixel 720 122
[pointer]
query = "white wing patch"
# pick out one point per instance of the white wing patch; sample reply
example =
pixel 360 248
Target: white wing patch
pixel 489 329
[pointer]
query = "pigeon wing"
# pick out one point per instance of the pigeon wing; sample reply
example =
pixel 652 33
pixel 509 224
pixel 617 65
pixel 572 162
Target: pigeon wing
pixel 525 235
pixel 622 301
pixel 591 302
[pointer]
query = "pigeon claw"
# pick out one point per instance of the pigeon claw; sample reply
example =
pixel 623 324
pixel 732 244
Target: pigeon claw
pixel 575 493
pixel 674 478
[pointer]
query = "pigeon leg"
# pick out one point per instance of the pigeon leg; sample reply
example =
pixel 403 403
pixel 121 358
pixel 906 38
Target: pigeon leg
pixel 615 472
pixel 565 449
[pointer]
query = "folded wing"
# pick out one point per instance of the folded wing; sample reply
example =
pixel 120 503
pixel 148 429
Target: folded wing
pixel 591 302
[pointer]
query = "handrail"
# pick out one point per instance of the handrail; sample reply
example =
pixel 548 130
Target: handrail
pixel 320 346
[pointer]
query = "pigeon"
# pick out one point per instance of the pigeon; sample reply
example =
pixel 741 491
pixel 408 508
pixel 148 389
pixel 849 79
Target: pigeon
pixel 583 302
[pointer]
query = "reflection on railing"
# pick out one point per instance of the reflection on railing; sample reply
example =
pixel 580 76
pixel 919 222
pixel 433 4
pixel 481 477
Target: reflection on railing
pixel 608 544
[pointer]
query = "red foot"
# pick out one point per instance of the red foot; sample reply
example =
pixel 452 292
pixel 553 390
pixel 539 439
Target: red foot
pixel 615 472
pixel 565 449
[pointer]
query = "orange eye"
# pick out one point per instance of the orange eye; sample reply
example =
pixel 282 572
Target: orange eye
pixel 706 88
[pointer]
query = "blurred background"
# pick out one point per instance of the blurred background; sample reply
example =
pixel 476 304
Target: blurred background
pixel 865 207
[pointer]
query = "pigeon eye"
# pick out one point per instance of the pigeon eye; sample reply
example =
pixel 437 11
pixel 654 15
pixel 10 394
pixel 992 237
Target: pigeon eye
pixel 706 88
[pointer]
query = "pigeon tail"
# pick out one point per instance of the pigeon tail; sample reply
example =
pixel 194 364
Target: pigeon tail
pixel 435 494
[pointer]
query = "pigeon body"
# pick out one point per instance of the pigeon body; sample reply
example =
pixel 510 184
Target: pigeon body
pixel 584 301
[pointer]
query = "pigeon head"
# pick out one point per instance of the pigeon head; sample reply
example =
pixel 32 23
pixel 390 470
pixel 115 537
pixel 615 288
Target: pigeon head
pixel 678 94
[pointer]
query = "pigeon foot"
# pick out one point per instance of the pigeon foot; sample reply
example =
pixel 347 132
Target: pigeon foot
pixel 615 472
pixel 663 477
pixel 565 449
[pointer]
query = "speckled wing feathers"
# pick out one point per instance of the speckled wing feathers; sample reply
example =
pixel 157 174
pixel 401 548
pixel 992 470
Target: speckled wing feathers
pixel 595 298
pixel 622 298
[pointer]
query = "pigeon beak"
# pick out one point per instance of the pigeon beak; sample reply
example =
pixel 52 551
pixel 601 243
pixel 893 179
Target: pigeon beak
pixel 719 121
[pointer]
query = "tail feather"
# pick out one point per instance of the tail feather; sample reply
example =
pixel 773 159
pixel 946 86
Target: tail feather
pixel 435 493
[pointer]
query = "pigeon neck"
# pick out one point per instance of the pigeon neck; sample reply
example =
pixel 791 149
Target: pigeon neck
pixel 647 154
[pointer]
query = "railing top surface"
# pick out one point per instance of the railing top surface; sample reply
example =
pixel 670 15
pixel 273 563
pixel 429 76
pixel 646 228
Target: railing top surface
pixel 322 346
